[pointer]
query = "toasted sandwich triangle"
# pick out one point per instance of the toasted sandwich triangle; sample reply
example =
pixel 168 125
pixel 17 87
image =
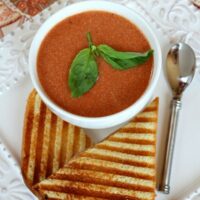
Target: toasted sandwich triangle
pixel 120 167
pixel 48 142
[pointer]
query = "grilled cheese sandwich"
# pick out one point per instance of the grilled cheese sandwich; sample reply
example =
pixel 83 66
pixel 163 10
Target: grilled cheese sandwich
pixel 48 141
pixel 120 167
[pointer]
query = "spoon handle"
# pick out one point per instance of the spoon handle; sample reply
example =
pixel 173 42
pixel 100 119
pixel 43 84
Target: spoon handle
pixel 165 182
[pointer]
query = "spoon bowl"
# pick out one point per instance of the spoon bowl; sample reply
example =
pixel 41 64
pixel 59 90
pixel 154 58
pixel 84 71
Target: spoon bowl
pixel 180 67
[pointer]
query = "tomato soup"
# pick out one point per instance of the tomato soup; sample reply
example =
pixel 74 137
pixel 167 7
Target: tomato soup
pixel 115 90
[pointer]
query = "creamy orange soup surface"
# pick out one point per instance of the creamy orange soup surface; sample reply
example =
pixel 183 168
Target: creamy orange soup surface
pixel 114 90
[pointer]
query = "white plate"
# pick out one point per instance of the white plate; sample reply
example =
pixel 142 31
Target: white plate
pixel 172 20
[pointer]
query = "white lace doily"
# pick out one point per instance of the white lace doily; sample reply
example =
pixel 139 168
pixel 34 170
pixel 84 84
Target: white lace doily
pixel 14 48
pixel 12 186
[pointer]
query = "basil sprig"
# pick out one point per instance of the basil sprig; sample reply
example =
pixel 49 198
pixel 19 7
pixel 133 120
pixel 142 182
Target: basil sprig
pixel 83 73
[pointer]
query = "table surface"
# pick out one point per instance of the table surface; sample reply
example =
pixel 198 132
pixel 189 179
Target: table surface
pixel 186 165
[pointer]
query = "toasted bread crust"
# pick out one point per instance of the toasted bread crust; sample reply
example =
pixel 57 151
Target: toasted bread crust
pixel 48 141
pixel 120 167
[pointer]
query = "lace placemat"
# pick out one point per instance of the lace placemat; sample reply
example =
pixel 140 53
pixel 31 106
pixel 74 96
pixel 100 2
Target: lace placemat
pixel 12 186
pixel 14 48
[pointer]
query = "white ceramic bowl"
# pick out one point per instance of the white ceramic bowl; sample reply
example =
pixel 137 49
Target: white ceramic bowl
pixel 111 120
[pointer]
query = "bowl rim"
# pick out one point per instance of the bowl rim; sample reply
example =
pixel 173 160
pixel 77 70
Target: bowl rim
pixel 104 121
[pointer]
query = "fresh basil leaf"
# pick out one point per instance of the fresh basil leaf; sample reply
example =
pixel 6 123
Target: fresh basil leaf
pixel 119 54
pixel 123 60
pixel 83 73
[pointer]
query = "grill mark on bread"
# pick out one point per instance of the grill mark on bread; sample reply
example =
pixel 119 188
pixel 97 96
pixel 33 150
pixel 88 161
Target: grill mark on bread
pixel 147 150
pixel 133 136
pixel 139 127
pixel 128 151
pixel 39 143
pixel 110 167
pixel 152 107
pixel 100 178
pixel 135 130
pixel 27 137
pixel 128 146
pixel 57 144
pixel 132 141
pixel 51 145
pixel 136 163
pixel 144 119
pixel 64 143
pixel 33 141
pixel 45 145
pixel 70 142
pixel 94 190
pixel 150 116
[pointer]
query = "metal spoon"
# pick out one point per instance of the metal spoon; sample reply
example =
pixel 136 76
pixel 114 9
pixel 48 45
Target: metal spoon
pixel 180 68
